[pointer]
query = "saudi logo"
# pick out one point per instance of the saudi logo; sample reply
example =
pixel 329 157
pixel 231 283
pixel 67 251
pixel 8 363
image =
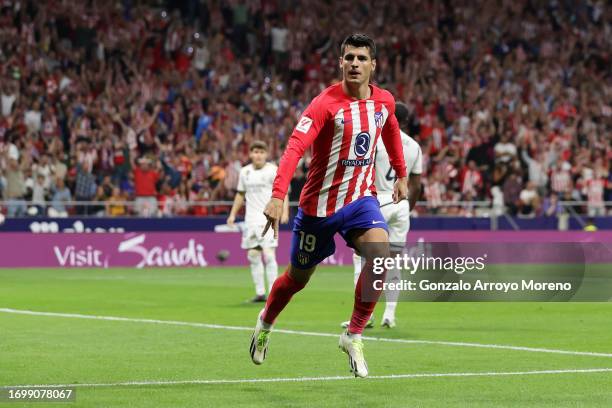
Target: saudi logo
pixel 362 144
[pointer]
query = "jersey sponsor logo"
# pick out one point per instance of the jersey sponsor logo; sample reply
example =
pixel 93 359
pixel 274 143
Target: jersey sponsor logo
pixel 362 144
pixel 356 162
pixel 378 119
pixel 304 124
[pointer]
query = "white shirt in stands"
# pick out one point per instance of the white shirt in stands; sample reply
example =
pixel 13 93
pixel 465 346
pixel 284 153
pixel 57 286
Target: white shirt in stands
pixel 256 184
pixel 385 175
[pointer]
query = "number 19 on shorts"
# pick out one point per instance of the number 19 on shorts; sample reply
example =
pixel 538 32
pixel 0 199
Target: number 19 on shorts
pixel 307 242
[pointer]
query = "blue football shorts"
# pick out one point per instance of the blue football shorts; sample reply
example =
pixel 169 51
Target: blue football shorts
pixel 313 237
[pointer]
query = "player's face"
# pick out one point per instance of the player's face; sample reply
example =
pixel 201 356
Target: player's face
pixel 357 65
pixel 258 157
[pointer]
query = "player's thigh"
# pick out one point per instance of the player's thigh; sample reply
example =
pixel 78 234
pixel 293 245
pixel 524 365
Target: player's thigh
pixel 312 241
pixel 301 275
pixel 370 243
pixel 398 221
pixel 364 228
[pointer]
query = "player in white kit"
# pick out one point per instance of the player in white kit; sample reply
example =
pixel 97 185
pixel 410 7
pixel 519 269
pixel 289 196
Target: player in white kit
pixel 255 187
pixel 397 215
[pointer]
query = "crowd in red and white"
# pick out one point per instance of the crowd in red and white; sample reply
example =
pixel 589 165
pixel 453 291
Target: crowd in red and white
pixel 115 102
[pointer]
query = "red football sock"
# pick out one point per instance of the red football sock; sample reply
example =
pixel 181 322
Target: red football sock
pixel 283 289
pixel 362 310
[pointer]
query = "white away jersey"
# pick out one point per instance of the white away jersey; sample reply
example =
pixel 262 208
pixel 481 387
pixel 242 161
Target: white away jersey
pixel 385 175
pixel 256 184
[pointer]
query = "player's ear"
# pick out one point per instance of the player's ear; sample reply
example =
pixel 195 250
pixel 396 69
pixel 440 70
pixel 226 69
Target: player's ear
pixel 340 62
pixel 373 64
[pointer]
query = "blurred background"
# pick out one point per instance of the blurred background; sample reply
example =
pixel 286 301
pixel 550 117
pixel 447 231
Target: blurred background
pixel 130 108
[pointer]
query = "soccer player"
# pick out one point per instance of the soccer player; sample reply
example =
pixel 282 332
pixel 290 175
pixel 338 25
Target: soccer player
pixel 396 215
pixel 255 186
pixel 343 125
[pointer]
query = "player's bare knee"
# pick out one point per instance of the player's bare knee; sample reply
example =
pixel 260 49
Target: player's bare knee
pixel 372 250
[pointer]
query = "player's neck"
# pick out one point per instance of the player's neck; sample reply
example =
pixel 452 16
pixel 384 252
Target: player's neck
pixel 357 91
pixel 256 167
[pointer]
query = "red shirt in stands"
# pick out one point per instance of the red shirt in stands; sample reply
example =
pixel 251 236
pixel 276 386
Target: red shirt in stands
pixel 144 182
pixel 343 132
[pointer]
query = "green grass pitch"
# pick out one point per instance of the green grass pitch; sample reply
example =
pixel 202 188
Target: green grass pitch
pixel 38 349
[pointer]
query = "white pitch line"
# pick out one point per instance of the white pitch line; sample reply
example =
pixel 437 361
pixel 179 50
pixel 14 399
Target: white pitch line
pixel 305 379
pixel 306 333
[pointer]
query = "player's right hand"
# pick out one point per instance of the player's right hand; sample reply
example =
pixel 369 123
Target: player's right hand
pixel 400 189
pixel 230 220
pixel 273 212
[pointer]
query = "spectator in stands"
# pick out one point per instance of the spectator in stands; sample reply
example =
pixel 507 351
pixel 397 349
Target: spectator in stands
pixel 60 196
pixel 505 150
pixel 15 187
pixel 561 178
pixel 595 195
pixel 551 206
pixel 145 187
pixel 512 188
pixel 538 79
pixel 529 200
pixel 115 205
pixel 85 189
pixel 537 170
pixel 39 195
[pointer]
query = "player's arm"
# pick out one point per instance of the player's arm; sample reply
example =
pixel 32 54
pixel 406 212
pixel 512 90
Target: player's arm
pixel 285 217
pixel 414 189
pixel 307 129
pixel 238 198
pixel 238 203
pixel 393 143
pixel 414 180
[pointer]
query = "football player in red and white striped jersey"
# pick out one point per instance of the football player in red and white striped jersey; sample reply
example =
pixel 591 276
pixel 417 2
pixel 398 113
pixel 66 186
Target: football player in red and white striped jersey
pixel 342 125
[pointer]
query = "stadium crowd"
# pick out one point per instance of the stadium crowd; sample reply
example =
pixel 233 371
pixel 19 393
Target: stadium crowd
pixel 156 104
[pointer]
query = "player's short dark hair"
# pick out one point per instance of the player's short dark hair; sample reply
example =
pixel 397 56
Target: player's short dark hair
pixel 258 144
pixel 402 113
pixel 359 40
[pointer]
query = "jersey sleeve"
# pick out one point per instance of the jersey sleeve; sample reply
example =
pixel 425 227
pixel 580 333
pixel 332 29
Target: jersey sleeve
pixel 241 187
pixel 306 131
pixel 393 143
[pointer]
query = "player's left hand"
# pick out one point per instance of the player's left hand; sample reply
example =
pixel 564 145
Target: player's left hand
pixel 400 190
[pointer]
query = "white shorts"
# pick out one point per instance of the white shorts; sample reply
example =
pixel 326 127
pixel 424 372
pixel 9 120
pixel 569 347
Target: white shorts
pixel 397 217
pixel 251 237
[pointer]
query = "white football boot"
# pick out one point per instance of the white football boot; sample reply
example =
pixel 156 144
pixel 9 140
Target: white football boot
pixel 259 342
pixel 354 348
pixel 388 322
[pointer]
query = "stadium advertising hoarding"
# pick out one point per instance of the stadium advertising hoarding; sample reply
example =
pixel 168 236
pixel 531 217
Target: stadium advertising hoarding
pixel 433 266
pixel 201 249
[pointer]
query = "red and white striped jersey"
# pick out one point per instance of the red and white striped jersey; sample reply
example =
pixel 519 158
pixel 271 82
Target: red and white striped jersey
pixel 561 181
pixel 343 132
pixel 595 191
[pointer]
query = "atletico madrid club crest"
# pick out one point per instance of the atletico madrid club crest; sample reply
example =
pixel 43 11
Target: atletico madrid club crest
pixel 303 258
pixel 378 119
